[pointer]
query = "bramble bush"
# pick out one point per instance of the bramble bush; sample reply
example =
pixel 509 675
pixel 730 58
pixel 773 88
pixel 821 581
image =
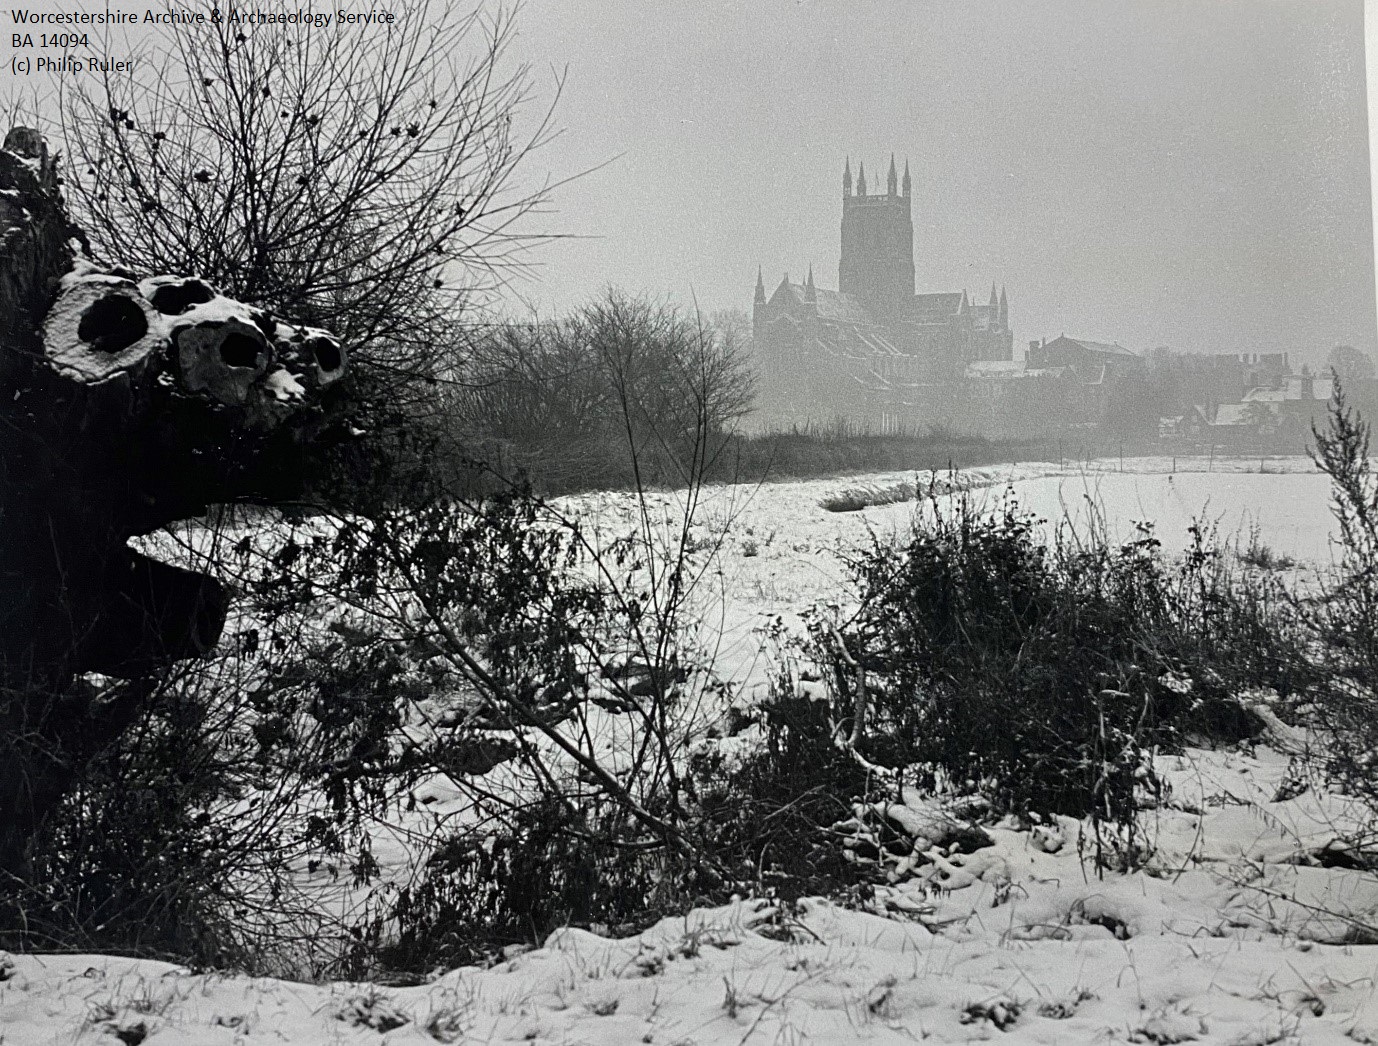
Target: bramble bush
pixel 1044 674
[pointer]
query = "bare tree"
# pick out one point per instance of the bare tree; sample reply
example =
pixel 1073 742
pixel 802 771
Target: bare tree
pixel 624 384
pixel 361 180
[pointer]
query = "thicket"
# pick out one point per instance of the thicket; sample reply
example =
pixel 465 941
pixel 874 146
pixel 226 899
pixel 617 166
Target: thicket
pixel 1042 669
pixel 548 672
pixel 561 402
pixel 836 450
pixel 569 447
pixel 1043 672
pixel 595 400
pixel 371 655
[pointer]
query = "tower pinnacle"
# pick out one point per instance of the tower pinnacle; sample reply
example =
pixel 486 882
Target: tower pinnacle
pixel 847 178
pixel 810 292
pixel 760 287
pixel 906 184
pixel 877 260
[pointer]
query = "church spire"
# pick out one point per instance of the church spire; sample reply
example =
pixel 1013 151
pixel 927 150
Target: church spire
pixel 810 292
pixel 847 178
pixel 861 179
pixel 760 287
pixel 1004 309
pixel 890 180
pixel 906 183
pixel 994 299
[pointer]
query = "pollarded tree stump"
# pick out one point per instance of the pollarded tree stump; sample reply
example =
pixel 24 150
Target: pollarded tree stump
pixel 126 403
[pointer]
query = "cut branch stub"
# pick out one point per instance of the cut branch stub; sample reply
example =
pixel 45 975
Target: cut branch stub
pixel 151 615
pixel 99 328
pixel 221 351
pixel 314 356
pixel 274 400
pixel 35 245
pixel 27 143
pixel 174 295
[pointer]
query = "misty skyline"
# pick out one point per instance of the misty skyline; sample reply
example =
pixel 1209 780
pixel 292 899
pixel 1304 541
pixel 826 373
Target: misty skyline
pixel 1192 174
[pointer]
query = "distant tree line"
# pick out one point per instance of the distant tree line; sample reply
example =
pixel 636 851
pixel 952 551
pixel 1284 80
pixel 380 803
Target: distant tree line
pixel 1173 383
pixel 618 392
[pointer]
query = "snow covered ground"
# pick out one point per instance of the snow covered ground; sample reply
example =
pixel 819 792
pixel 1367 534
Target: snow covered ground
pixel 779 550
pixel 1225 939
pixel 1242 930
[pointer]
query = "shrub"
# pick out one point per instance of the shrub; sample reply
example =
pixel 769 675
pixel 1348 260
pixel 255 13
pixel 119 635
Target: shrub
pixel 758 818
pixel 182 837
pixel 133 857
pixel 1261 556
pixel 1045 675
pixel 765 807
pixel 552 865
pixel 1345 615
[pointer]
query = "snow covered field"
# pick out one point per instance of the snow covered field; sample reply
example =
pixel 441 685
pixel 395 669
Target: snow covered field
pixel 781 551
pixel 1236 933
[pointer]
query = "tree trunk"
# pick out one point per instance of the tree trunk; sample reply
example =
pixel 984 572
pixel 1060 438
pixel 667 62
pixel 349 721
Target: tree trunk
pixel 125 404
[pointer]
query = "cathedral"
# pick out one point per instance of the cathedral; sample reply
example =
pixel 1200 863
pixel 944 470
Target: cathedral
pixel 873 350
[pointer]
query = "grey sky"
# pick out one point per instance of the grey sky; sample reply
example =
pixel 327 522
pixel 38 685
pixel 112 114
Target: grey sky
pixel 1183 172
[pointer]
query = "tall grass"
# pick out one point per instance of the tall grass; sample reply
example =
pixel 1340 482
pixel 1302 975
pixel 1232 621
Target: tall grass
pixel 837 451
pixel 597 463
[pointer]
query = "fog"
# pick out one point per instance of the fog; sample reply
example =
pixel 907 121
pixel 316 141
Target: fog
pixel 1163 172
pixel 1190 173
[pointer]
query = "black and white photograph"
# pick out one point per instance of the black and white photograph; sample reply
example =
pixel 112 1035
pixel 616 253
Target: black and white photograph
pixel 706 523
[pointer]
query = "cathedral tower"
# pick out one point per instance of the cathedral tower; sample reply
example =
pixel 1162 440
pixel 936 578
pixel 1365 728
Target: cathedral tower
pixel 877 241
